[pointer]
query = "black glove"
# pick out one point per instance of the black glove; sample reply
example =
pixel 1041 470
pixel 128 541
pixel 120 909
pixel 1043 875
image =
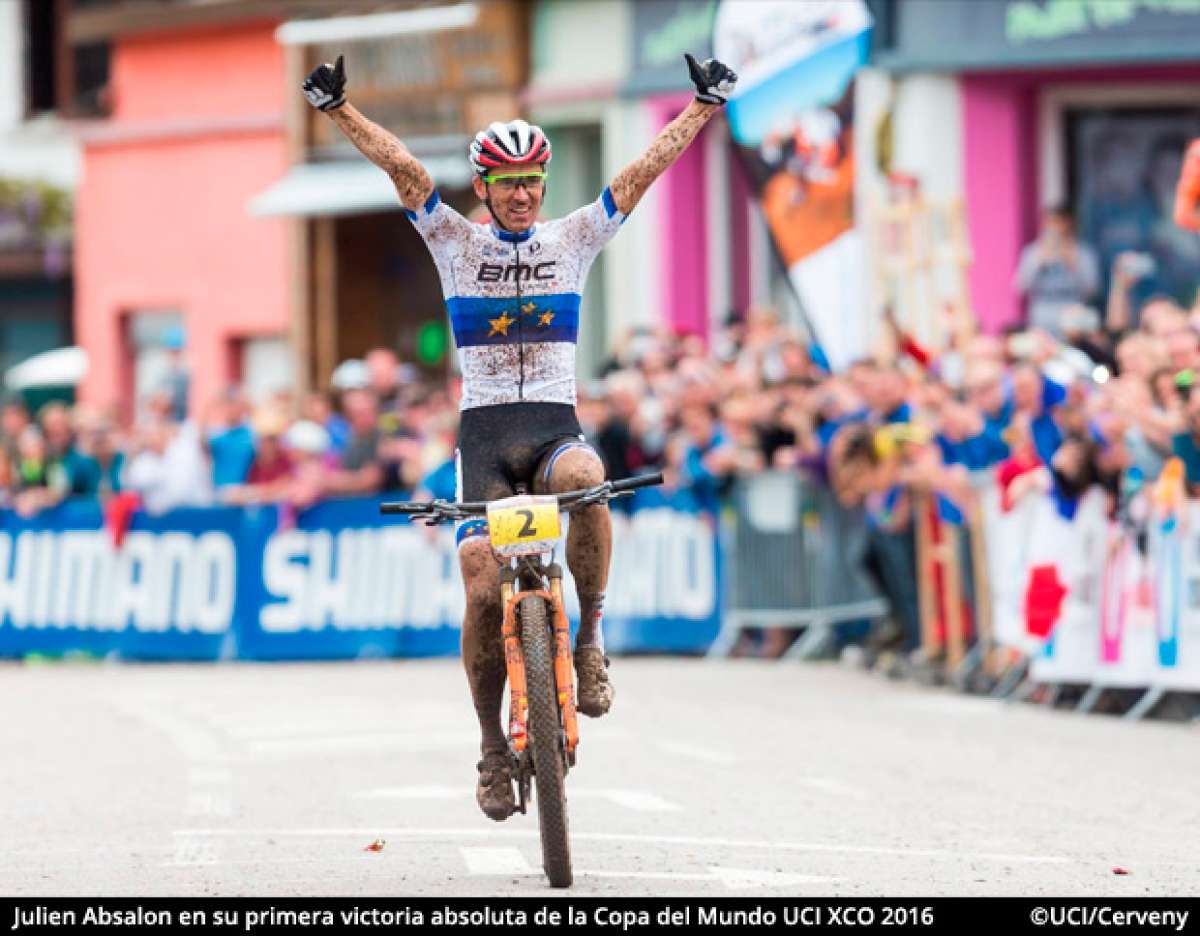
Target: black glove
pixel 714 81
pixel 325 88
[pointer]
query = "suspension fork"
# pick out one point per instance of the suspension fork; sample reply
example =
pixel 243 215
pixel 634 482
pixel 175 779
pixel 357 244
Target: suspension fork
pixel 514 661
pixel 564 665
pixel 514 658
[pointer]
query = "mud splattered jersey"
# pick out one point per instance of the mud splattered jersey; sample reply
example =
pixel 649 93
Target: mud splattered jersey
pixel 514 299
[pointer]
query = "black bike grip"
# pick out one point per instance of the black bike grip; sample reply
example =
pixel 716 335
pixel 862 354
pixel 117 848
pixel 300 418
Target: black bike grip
pixel 641 481
pixel 404 507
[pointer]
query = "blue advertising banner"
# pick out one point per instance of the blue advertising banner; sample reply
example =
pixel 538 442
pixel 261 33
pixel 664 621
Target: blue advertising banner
pixel 338 583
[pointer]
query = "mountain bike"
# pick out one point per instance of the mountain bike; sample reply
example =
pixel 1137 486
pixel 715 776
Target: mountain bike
pixel 543 727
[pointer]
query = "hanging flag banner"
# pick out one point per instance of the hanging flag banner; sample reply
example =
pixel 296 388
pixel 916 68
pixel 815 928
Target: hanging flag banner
pixel 792 118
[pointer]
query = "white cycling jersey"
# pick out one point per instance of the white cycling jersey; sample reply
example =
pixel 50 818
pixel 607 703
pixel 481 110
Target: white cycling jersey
pixel 514 299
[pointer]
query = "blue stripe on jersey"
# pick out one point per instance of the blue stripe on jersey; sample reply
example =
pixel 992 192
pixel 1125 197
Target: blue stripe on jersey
pixel 479 320
pixel 512 238
pixel 610 204
pixel 471 528
pixel 430 203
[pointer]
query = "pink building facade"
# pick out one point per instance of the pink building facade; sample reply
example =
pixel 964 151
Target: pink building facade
pixel 163 236
pixel 1017 107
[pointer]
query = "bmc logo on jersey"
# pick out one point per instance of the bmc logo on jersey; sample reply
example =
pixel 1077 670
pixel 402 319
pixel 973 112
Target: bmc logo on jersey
pixel 515 272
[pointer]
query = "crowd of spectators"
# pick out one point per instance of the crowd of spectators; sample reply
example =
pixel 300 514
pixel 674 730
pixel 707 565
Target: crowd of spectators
pixel 1103 399
pixel 375 429
pixel 1089 409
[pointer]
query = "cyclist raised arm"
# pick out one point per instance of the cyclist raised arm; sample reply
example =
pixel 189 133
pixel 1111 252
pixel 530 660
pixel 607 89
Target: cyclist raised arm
pixel 325 89
pixel 714 83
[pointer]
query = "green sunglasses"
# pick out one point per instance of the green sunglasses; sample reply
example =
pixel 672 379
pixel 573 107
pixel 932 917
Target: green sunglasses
pixel 508 182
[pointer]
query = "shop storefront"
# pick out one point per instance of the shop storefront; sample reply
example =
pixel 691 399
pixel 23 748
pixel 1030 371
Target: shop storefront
pixel 1016 105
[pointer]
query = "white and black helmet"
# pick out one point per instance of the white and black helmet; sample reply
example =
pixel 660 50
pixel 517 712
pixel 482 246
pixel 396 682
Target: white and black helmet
pixel 503 144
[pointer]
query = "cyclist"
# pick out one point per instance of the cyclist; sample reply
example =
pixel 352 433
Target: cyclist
pixel 512 290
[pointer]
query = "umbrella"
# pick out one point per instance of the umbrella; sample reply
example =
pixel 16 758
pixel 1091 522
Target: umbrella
pixel 62 367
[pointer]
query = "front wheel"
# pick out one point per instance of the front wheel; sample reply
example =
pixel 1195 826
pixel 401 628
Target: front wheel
pixel 545 738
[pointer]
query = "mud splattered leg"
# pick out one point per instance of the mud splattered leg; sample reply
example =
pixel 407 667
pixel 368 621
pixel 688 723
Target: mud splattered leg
pixel 482 646
pixel 589 542
pixel 483 658
pixel 589 546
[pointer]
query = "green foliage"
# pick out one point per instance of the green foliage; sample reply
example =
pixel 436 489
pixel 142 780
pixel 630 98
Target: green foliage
pixel 46 208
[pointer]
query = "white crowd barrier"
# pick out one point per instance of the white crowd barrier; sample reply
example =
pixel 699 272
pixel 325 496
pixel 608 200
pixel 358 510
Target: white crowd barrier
pixel 1093 601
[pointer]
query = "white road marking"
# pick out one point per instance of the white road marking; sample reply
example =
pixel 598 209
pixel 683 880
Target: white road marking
pixel 197 744
pixel 691 841
pixel 696 752
pixel 497 861
pixel 636 800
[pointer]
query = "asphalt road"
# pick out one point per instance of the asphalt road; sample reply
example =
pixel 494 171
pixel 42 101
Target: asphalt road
pixel 706 779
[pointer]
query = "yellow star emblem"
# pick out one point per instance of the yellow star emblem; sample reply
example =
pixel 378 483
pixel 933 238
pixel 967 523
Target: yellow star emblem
pixel 529 308
pixel 500 325
pixel 546 319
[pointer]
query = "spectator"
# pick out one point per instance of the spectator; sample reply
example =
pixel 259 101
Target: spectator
pixel 270 473
pixel 168 468
pixel 14 417
pixel 55 420
pixel 94 463
pixel 319 409
pixel 177 381
pixel 229 438
pixel 38 477
pixel 619 435
pixel 360 470
pixel 1185 444
pixel 1037 397
pixel 1056 271
pixel 1081 330
pixel 383 369
pixel 307 446
pixel 698 455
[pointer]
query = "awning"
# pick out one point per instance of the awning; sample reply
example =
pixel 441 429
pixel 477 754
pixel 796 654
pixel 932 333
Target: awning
pixel 377 25
pixel 62 367
pixel 343 188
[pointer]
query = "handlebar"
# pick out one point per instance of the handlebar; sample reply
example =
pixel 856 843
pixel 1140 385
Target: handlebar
pixel 439 511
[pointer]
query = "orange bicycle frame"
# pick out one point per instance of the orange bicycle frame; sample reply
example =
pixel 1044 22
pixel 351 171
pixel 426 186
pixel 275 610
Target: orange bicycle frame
pixel 514 661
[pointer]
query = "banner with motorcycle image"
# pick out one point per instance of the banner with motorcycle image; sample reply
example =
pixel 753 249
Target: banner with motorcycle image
pixel 792 122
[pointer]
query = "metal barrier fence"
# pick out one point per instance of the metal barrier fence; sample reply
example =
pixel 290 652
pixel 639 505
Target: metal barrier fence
pixel 794 559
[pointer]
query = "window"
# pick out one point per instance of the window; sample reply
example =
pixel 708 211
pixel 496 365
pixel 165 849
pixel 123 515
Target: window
pixel 266 367
pixel 59 76
pixel 1123 163
pixel 155 343
pixel 41 56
